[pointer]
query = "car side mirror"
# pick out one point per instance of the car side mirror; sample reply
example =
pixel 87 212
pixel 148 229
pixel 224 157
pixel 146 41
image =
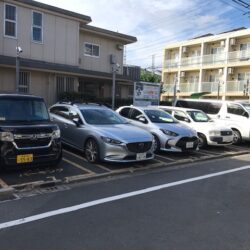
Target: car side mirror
pixel 143 119
pixel 187 120
pixel 246 114
pixel 77 121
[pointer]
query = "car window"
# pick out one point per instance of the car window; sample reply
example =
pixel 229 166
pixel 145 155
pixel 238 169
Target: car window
pixel 136 114
pixel 235 109
pixel 61 111
pixel 180 115
pixel 168 111
pixel 199 116
pixel 125 112
pixel 74 115
pixel 102 117
pixel 159 116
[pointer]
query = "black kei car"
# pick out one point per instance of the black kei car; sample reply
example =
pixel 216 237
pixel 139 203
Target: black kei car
pixel 27 136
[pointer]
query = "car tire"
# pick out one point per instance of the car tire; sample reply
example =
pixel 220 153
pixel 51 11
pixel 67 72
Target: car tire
pixel 202 143
pixel 236 137
pixel 157 144
pixel 91 151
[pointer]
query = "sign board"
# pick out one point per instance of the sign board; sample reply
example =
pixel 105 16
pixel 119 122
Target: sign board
pixel 146 93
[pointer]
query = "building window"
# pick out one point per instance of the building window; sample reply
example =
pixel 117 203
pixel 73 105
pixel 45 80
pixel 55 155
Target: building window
pixel 10 21
pixel 64 84
pixel 91 50
pixel 24 82
pixel 37 27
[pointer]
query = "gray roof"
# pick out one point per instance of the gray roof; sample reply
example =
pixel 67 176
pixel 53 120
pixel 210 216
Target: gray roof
pixel 84 18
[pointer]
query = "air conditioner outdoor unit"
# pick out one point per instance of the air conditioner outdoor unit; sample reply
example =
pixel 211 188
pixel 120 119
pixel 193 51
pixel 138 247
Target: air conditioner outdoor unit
pixel 183 74
pixel 222 43
pixel 220 71
pixel 230 71
pixel 184 49
pixel 232 41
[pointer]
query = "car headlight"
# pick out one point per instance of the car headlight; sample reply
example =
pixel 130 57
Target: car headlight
pixel 6 136
pixel 111 141
pixel 214 133
pixel 169 133
pixel 56 134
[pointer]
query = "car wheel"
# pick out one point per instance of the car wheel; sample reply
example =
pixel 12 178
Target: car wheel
pixel 91 151
pixel 236 137
pixel 202 143
pixel 157 144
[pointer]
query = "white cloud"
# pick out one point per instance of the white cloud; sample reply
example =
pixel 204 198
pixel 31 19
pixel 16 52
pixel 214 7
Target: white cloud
pixel 155 23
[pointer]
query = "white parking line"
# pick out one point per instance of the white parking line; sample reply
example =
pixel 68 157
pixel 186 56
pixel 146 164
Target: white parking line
pixel 78 166
pixel 114 198
pixel 164 158
pixel 75 155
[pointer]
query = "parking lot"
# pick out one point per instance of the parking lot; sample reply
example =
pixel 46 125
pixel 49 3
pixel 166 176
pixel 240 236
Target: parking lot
pixel 74 167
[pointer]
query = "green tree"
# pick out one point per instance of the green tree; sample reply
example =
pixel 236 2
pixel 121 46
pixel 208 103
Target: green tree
pixel 147 76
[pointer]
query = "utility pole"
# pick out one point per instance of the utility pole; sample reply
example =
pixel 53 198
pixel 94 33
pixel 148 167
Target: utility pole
pixel 18 52
pixel 218 90
pixel 153 64
pixel 175 88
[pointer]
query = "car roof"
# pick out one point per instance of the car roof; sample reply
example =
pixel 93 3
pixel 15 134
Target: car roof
pixel 179 108
pixel 141 107
pixel 13 94
pixel 81 105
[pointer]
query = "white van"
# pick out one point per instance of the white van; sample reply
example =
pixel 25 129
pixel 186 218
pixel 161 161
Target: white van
pixel 235 115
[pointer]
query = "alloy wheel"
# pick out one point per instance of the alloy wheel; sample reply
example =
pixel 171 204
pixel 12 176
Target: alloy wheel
pixel 91 151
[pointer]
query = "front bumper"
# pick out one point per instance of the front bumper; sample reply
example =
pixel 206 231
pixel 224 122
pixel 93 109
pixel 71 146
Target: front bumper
pixel 180 144
pixel 122 153
pixel 41 156
pixel 220 140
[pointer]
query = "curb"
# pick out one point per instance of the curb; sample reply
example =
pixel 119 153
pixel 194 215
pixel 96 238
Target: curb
pixel 7 193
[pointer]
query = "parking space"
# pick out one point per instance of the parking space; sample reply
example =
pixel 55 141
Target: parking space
pixel 74 167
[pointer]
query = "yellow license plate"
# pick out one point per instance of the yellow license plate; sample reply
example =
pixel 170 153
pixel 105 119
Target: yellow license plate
pixel 24 158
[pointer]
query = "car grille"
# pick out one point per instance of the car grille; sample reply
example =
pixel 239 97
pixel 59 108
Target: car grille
pixel 224 133
pixel 26 143
pixel 182 142
pixel 139 147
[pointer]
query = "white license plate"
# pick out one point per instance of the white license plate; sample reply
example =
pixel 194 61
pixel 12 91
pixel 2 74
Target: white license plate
pixel 225 139
pixel 141 156
pixel 189 145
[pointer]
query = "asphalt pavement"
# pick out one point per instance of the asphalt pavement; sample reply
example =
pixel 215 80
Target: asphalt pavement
pixel 202 206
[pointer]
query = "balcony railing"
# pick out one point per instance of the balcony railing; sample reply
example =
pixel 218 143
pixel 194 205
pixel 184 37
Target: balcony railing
pixel 242 55
pixel 214 58
pixel 235 56
pixel 209 86
pixel 237 86
pixel 189 87
pixel 168 88
pixel 188 61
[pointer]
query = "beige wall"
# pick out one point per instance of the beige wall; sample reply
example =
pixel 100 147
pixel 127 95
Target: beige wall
pixel 60 38
pixel 7 79
pixel 107 47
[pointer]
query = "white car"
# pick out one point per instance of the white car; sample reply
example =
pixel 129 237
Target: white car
pixel 209 131
pixel 169 134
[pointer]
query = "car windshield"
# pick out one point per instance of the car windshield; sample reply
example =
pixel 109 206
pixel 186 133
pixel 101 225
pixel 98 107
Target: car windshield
pixel 158 116
pixel 246 106
pixel 102 117
pixel 199 116
pixel 22 110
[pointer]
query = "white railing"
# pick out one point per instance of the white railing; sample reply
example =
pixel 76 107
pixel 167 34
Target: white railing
pixel 209 86
pixel 189 87
pixel 214 58
pixel 241 55
pixel 169 88
pixel 237 86
pixel 171 63
pixel 188 61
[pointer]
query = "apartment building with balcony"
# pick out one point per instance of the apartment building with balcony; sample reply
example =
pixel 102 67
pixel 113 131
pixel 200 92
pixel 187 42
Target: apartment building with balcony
pixel 61 52
pixel 216 65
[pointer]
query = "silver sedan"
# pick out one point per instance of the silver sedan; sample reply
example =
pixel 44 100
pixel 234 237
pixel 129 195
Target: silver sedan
pixel 101 133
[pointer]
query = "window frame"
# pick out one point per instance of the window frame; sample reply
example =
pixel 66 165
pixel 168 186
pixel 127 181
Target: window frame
pixel 92 44
pixel 8 20
pixel 36 26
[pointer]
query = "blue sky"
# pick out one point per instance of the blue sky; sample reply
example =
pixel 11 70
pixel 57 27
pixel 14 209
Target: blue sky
pixel 157 23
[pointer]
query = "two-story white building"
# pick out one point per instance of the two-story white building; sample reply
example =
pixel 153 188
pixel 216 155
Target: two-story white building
pixel 215 64
pixel 61 52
